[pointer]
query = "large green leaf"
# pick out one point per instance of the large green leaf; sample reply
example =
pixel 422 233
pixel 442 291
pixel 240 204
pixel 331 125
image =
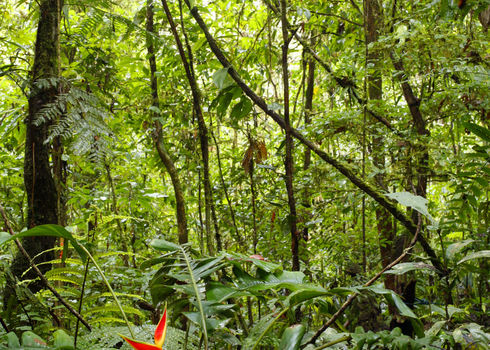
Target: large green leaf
pixel 478 130
pixel 164 245
pixel 219 292
pixel 395 298
pixel 30 339
pixel 221 79
pixel 306 293
pixel 239 259
pixel 455 248
pixel 292 280
pixel 241 109
pixel 291 337
pixel 476 255
pixel 403 268
pixel 47 230
pixel 62 340
pixel 410 200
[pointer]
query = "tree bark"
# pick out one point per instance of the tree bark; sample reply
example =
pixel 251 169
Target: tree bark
pixel 158 137
pixel 386 234
pixel 42 196
pixel 288 161
pixel 310 86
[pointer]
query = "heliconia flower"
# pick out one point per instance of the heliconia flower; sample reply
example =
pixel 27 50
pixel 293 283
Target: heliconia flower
pixel 160 333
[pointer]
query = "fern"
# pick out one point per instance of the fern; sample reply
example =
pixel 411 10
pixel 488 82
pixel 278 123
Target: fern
pixel 108 295
pixel 78 117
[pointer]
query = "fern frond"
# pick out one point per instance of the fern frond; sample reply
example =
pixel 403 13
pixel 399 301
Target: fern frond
pixel 67 261
pixel 78 117
pixel 64 270
pixel 114 308
pixel 115 253
pixel 107 319
pixel 67 279
pixel 108 295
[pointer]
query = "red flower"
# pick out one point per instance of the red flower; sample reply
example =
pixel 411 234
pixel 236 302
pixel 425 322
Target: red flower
pixel 160 333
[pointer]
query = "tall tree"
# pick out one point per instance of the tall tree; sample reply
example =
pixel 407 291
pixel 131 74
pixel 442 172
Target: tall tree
pixel 42 197
pixel 187 61
pixel 158 133
pixel 288 162
pixel 373 14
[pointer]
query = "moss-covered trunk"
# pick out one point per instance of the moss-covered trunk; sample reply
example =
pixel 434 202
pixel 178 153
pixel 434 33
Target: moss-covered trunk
pixel 40 187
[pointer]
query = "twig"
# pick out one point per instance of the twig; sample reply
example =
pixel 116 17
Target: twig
pixel 351 298
pixel 40 274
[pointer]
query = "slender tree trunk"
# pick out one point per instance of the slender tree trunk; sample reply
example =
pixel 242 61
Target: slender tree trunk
pixel 373 28
pixel 42 196
pixel 203 134
pixel 288 162
pixel 225 190
pixel 310 85
pixel 115 210
pixel 158 137
pixel 255 239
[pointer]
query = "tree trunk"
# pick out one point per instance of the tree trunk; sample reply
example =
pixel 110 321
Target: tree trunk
pixel 374 25
pixel 42 197
pixel 288 162
pixel 158 137
pixel 203 134
pixel 310 85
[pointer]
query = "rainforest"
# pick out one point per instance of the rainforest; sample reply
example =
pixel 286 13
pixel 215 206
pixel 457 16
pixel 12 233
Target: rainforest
pixel 244 174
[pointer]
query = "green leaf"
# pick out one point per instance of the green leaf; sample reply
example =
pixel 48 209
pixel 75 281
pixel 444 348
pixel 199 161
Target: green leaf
pixel 218 292
pixel 241 109
pixel 306 293
pixel 402 268
pixel 221 79
pixel 435 329
pixel 475 255
pixel 164 245
pixel 478 130
pixel 62 340
pixel 291 337
pixel 389 294
pixel 30 339
pixel 455 248
pixel 451 310
pixel 13 340
pixel 47 230
pixel 402 307
pixel 211 323
pixel 410 200
pixel 223 103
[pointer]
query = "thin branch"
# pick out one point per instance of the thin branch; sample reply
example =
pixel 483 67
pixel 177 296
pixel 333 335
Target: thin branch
pixel 337 16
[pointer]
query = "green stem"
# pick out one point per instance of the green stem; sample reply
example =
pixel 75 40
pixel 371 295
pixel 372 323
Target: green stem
pixel 110 289
pixel 198 298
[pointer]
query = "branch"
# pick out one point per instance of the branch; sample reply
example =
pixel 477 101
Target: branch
pixel 40 274
pixel 342 167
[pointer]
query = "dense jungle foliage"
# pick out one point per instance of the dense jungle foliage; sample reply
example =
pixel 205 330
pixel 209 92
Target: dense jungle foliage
pixel 274 174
